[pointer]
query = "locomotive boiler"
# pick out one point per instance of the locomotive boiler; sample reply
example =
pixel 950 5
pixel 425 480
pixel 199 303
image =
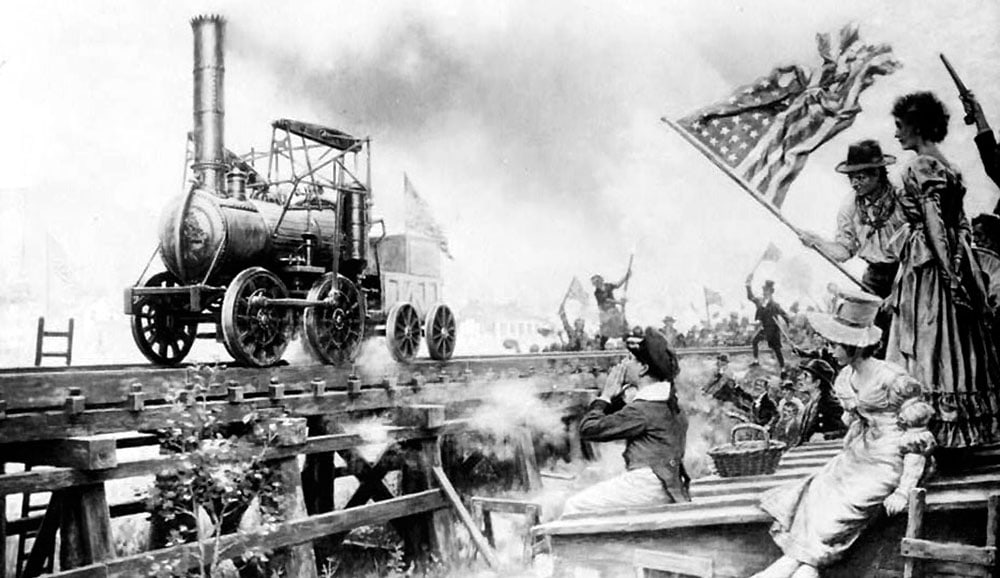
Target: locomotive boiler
pixel 265 255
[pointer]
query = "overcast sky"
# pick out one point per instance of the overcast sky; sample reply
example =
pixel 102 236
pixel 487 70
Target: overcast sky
pixel 531 128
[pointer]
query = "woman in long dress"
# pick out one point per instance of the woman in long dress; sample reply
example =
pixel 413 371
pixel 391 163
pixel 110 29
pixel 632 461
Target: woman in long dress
pixel 939 333
pixel 816 520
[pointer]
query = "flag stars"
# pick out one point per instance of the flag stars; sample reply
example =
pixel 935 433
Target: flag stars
pixel 724 130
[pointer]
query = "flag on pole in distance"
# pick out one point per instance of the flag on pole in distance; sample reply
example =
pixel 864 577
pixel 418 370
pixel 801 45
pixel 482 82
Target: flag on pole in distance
pixel 418 218
pixel 59 264
pixel 764 131
pixel 772 253
pixel 577 293
pixel 712 297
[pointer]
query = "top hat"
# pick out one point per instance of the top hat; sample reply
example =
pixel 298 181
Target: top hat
pixel 768 284
pixel 653 350
pixel 866 154
pixel 853 321
pixel 820 369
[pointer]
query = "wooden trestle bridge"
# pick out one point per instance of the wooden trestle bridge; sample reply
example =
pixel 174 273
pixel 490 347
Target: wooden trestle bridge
pixel 67 426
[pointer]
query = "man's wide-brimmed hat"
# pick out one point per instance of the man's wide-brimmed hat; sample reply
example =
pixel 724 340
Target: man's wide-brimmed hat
pixel 820 369
pixel 653 350
pixel 853 321
pixel 866 154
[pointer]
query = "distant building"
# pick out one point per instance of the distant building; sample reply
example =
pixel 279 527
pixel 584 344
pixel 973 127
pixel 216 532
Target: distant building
pixel 487 327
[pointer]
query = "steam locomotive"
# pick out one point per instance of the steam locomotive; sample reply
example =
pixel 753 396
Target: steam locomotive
pixel 265 256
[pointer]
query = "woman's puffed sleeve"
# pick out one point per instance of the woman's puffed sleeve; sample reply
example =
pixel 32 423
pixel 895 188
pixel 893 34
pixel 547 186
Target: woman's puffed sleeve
pixel 927 176
pixel 914 416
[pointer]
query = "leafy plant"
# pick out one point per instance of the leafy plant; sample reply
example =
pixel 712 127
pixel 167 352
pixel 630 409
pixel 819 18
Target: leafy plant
pixel 220 473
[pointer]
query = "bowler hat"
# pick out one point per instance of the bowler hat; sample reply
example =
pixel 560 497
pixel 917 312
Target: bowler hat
pixel 653 350
pixel 820 369
pixel 866 154
pixel 852 323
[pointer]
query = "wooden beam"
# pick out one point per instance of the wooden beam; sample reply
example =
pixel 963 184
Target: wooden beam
pixel 52 479
pixel 82 453
pixel 456 502
pixel 57 424
pixel 928 550
pixel 287 533
pixel 45 388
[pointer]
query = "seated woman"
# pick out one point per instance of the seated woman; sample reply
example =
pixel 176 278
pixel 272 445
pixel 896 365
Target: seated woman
pixel 885 450
pixel 652 425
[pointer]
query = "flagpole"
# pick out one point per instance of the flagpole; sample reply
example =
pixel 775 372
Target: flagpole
pixel 746 187
pixel 708 316
pixel 625 287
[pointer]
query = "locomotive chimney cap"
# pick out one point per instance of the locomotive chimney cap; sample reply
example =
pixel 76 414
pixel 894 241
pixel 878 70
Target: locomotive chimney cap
pixel 207 17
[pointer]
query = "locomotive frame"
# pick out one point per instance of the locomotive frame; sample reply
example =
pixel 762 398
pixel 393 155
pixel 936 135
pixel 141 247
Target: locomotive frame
pixel 266 257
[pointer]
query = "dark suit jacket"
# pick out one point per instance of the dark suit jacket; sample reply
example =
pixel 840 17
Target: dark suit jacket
pixel 654 435
pixel 990 153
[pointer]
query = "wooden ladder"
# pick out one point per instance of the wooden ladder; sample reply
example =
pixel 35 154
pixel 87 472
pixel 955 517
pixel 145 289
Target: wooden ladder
pixel 973 560
pixel 40 352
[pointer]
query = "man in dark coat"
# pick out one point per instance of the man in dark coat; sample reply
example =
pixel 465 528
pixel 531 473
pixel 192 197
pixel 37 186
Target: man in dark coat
pixel 823 413
pixel 613 323
pixel 652 425
pixel 986 141
pixel 768 312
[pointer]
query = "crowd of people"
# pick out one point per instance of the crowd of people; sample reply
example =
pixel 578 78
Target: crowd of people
pixel 907 370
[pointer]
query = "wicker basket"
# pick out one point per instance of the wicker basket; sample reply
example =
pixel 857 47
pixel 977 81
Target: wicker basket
pixel 750 457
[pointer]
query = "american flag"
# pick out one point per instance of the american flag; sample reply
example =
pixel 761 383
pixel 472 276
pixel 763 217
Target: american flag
pixel 764 132
pixel 712 297
pixel 419 219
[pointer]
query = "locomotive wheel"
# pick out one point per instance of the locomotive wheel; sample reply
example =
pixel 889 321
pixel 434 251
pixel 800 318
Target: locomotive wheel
pixel 156 328
pixel 402 331
pixel 334 332
pixel 440 328
pixel 255 334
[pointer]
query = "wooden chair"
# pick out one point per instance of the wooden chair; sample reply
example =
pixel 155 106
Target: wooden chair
pixel 40 352
pixel 966 560
pixel 655 564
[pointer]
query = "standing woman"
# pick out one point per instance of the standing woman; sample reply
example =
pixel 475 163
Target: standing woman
pixel 938 333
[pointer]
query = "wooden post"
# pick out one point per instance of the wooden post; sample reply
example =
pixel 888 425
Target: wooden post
pixel 526 462
pixel 992 513
pixel 430 533
pixel 319 482
pixel 463 514
pixel 85 530
pixel 914 527
pixel 296 561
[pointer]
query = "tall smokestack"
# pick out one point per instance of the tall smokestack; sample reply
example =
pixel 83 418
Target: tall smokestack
pixel 209 111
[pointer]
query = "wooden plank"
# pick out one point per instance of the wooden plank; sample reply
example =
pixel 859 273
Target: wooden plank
pixel 674 563
pixel 82 453
pixel 57 478
pixel 43 550
pixel 928 550
pixel 286 534
pixel 38 388
pixel 42 425
pixel 463 515
pixel 502 505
